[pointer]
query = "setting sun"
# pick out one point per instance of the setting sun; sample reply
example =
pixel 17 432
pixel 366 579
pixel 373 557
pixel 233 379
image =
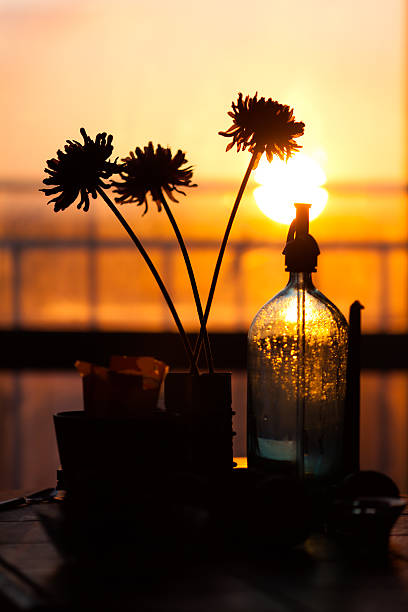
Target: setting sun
pixel 300 179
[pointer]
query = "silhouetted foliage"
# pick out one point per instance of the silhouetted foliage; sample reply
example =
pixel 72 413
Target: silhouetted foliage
pixel 79 170
pixel 263 125
pixel 152 171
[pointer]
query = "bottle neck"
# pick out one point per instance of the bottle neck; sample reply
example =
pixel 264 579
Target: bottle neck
pixel 301 280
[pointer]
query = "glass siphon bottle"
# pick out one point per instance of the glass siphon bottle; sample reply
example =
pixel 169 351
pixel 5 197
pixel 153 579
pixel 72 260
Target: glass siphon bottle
pixel 297 357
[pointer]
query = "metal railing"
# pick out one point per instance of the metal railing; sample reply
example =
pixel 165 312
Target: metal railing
pixel 237 250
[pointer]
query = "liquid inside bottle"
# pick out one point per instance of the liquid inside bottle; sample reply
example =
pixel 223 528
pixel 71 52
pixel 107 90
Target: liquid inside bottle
pixel 297 353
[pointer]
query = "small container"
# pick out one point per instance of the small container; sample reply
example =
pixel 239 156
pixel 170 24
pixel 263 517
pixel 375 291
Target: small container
pixel 119 450
pixel 204 404
pixel 365 523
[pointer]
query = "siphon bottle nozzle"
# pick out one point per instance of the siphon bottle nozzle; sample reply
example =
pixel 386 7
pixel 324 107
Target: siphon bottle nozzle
pixel 301 249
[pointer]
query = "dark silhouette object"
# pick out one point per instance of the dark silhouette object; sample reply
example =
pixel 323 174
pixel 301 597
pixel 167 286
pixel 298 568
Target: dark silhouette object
pixel 79 170
pixel 117 450
pixel 365 508
pixel 352 407
pixel 194 434
pixel 148 530
pixel 257 513
pixel 301 249
pixel 152 171
pixel 129 388
pixel 367 483
pixel 204 404
pixel 259 125
pixel 263 125
pixel 138 490
pixel 161 525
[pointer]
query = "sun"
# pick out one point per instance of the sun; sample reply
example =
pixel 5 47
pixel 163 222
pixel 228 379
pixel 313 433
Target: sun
pixel 300 179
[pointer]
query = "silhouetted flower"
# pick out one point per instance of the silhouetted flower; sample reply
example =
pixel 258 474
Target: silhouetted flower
pixel 263 125
pixel 79 170
pixel 152 171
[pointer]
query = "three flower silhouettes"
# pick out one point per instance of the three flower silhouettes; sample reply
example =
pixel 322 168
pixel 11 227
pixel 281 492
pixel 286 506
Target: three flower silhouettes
pixel 258 124
pixel 80 170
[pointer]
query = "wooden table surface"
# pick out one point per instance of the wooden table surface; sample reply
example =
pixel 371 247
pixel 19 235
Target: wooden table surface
pixel 315 577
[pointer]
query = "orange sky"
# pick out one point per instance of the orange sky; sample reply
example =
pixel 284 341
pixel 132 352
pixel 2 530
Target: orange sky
pixel 168 72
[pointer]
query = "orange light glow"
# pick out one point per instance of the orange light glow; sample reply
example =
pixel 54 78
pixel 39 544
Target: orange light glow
pixel 300 179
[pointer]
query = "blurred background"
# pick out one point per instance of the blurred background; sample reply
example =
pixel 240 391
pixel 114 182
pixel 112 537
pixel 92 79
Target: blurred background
pixel 168 72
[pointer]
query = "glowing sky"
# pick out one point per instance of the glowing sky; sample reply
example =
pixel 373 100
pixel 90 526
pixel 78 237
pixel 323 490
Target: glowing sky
pixel 168 71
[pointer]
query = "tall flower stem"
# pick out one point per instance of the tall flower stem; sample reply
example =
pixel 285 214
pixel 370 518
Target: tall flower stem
pixel 156 275
pixel 255 156
pixel 193 283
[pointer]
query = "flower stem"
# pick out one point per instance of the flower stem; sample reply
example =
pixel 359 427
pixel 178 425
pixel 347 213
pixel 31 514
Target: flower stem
pixel 256 154
pixel 156 275
pixel 193 283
